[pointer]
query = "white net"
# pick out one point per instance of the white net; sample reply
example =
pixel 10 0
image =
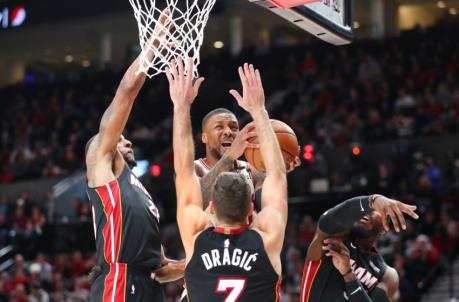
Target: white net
pixel 170 29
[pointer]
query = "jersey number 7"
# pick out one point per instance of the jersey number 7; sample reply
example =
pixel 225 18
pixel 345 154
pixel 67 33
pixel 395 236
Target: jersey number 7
pixel 233 286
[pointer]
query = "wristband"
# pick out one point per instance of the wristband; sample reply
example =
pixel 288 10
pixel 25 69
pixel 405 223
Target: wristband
pixel 353 287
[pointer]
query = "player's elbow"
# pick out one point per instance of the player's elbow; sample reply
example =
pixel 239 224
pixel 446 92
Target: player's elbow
pixel 327 224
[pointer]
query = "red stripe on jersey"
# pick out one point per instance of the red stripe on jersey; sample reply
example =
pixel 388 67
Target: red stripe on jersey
pixel 106 227
pixel 278 289
pixel 115 283
pixel 108 286
pixel 309 274
pixel 120 294
pixel 110 196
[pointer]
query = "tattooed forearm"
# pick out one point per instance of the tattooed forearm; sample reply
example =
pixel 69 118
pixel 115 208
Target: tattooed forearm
pixel 258 179
pixel 225 164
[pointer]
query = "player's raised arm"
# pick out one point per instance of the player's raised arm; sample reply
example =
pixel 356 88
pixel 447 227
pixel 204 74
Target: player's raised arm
pixel 190 215
pixel 272 218
pixel 115 117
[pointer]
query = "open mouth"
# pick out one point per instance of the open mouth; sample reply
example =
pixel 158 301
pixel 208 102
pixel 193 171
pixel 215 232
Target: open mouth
pixel 226 146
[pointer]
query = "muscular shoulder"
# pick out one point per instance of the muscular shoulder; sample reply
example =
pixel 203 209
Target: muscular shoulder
pixel 91 150
pixel 101 168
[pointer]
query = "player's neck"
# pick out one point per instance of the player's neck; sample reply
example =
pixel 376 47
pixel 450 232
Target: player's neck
pixel 211 160
pixel 230 226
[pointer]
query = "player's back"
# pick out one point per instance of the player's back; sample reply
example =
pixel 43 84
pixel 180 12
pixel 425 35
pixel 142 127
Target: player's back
pixel 231 266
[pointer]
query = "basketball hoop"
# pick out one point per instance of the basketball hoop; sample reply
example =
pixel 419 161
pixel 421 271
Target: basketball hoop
pixel 181 40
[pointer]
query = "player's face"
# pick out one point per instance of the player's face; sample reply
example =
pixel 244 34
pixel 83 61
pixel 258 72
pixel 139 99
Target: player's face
pixel 219 133
pixel 125 148
pixel 369 226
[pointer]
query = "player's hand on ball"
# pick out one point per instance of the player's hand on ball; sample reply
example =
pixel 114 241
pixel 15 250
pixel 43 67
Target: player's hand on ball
pixel 181 87
pixel 241 141
pixel 294 164
pixel 336 249
pixel 395 210
pixel 253 97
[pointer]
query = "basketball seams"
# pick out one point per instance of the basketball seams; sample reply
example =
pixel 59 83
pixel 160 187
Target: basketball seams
pixel 286 132
pixel 283 150
pixel 288 143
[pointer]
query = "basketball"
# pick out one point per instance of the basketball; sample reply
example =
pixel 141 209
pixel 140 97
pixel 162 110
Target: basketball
pixel 288 143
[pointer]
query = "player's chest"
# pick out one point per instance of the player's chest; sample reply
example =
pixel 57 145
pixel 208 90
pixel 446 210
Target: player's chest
pixel 136 199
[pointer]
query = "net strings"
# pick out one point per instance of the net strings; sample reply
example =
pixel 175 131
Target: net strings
pixel 189 18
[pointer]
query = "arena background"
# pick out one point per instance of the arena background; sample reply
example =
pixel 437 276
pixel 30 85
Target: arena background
pixel 378 116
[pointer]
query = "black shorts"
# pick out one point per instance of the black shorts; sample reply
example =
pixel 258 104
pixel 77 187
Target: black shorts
pixel 119 283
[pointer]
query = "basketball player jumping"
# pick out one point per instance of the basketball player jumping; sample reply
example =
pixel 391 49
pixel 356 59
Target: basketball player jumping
pixel 225 144
pixel 126 220
pixel 342 263
pixel 231 261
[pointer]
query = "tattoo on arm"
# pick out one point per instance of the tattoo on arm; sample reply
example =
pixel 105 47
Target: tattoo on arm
pixel 258 179
pixel 223 165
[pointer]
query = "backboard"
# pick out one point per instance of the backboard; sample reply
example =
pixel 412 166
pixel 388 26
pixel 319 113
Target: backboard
pixel 329 20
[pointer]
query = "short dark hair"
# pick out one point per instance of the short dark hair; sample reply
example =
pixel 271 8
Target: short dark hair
pixel 231 196
pixel 212 113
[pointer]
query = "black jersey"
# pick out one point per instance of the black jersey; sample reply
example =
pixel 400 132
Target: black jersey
pixel 322 282
pixel 231 266
pixel 126 224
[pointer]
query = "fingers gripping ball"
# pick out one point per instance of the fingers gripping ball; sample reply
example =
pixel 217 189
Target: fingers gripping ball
pixel 288 143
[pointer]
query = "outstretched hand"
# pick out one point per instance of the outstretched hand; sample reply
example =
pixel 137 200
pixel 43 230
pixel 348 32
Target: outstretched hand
pixel 395 210
pixel 181 87
pixel 253 98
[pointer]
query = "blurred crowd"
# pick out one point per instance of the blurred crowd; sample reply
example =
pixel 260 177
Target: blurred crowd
pixel 371 91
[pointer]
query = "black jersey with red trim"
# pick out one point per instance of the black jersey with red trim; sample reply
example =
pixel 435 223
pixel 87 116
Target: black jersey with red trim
pixel 126 223
pixel 322 281
pixel 231 266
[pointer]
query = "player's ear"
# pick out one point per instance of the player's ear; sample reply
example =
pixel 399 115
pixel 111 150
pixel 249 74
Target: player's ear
pixel 204 138
pixel 211 207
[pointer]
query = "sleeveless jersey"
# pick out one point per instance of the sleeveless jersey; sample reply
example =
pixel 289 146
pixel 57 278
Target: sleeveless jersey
pixel 231 266
pixel 126 224
pixel 322 282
